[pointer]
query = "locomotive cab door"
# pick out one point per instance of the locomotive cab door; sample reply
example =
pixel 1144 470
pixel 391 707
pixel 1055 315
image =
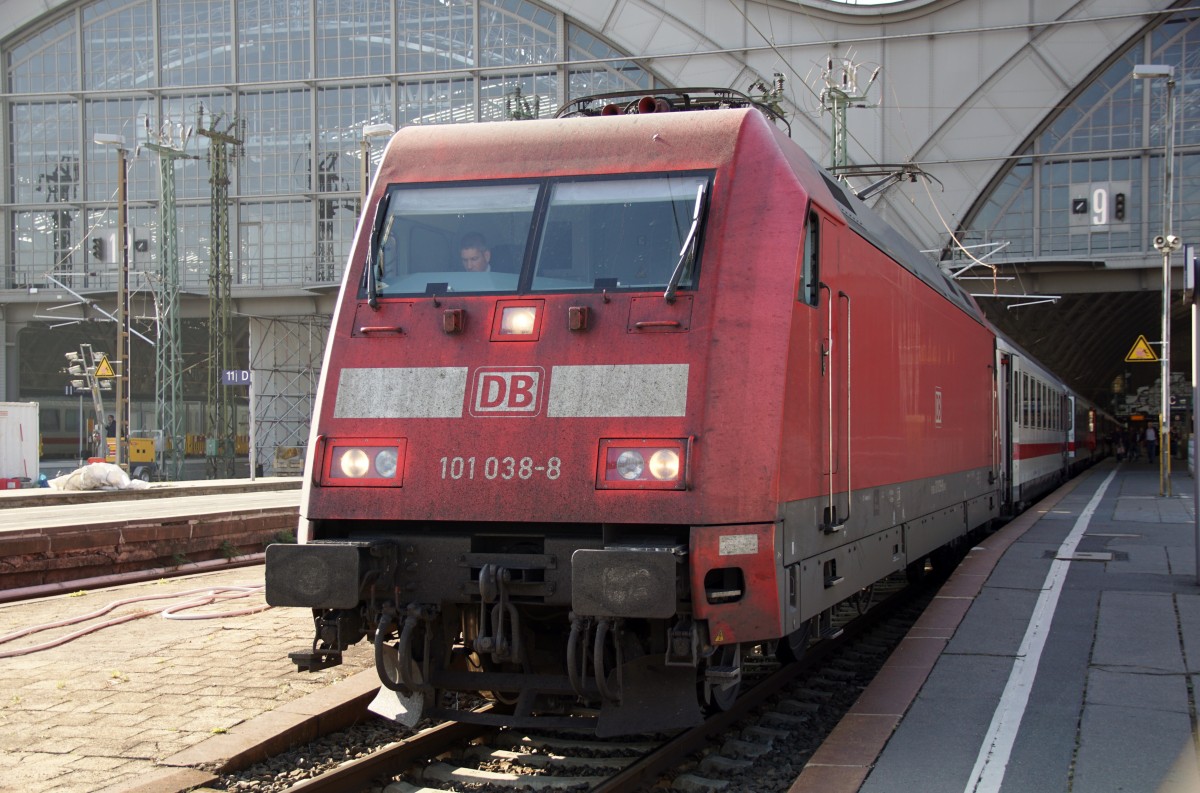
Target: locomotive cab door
pixel 835 352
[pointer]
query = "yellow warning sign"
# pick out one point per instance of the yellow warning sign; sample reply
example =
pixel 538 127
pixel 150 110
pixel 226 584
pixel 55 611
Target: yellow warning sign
pixel 104 369
pixel 1141 352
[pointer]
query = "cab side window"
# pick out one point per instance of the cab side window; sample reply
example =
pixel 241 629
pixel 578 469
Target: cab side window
pixel 809 291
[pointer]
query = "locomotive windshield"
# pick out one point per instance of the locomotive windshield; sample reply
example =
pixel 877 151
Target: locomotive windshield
pixel 554 235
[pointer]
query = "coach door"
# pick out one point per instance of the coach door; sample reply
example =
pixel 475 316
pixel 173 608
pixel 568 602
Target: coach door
pixel 1004 410
pixel 835 354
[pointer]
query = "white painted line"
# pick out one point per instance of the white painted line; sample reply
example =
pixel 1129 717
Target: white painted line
pixel 997 746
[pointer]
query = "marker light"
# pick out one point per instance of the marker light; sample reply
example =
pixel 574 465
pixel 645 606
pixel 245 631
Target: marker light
pixel 385 462
pixel 641 464
pixel 630 464
pixel 664 464
pixel 355 463
pixel 363 462
pixel 518 320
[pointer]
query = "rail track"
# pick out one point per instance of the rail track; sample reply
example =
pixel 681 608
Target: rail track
pixel 760 744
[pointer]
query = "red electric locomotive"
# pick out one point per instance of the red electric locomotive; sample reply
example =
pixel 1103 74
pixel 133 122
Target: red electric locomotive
pixel 609 401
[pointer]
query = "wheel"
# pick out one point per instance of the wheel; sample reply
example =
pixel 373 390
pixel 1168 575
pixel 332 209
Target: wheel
pixel 721 696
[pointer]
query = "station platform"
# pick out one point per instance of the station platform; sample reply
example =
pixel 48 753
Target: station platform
pixel 53 541
pixel 1062 655
pixel 161 685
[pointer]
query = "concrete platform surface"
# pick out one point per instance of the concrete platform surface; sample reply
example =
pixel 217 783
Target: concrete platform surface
pixel 1070 658
pixel 104 710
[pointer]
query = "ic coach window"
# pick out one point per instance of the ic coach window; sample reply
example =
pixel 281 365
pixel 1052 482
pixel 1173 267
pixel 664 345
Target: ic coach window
pixel 554 235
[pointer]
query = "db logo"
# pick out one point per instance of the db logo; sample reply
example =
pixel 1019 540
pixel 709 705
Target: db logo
pixel 503 391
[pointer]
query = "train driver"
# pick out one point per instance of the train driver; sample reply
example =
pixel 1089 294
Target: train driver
pixel 476 256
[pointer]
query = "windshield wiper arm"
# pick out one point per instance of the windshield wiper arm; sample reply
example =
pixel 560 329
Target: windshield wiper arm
pixel 689 245
pixel 374 252
pixel 372 283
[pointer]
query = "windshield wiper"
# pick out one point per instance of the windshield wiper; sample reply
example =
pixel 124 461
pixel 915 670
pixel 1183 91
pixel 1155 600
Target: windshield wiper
pixel 374 253
pixel 687 254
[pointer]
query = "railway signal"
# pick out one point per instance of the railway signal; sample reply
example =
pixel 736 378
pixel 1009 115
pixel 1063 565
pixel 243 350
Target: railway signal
pixel 90 371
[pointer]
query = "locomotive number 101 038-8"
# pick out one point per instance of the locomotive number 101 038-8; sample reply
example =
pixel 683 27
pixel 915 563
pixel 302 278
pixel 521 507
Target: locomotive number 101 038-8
pixel 506 468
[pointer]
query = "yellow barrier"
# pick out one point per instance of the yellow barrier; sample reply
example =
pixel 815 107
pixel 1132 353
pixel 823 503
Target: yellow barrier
pixel 194 445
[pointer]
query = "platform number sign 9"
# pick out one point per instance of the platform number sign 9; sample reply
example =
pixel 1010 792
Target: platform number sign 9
pixel 1099 206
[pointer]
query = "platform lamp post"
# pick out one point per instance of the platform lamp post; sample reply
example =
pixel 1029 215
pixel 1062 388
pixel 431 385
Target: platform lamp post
pixel 1192 287
pixel 370 131
pixel 1166 244
pixel 122 363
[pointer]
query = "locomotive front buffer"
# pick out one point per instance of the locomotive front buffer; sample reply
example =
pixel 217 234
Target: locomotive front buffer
pixel 632 646
pixel 330 578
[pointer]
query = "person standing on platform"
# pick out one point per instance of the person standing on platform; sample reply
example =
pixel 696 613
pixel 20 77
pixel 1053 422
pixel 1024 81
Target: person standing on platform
pixel 1151 443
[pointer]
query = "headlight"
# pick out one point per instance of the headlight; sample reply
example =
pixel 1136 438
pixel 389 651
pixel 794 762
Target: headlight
pixel 664 464
pixel 630 464
pixel 365 462
pixel 355 463
pixel 642 464
pixel 518 320
pixel 385 463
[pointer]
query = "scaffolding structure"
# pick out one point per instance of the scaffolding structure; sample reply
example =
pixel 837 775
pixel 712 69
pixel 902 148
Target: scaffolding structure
pixel 285 357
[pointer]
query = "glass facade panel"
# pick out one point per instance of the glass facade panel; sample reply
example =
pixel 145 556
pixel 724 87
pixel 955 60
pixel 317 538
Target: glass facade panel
pixel 275 245
pixel 300 169
pixel 1093 183
pixel 354 39
pixel 600 78
pixel 194 242
pixel 435 35
pixel 118 45
pixel 341 115
pixel 274 40
pixel 48 241
pixel 46 61
pixel 516 33
pixel 197 42
pixel 45 143
pixel 278 143
pixel 124 117
pixel 516 96
pixel 436 102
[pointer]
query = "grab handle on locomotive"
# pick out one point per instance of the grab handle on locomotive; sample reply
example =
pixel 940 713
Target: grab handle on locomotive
pixel 849 415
